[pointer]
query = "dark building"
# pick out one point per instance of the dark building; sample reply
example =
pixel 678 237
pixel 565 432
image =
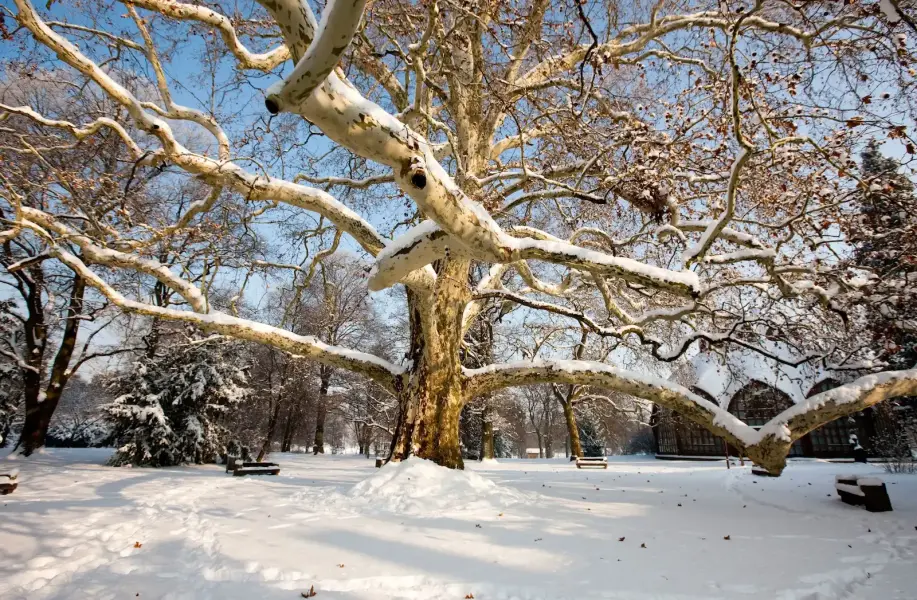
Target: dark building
pixel 756 389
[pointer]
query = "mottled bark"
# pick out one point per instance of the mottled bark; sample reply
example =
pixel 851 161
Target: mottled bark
pixel 566 402
pixel 572 432
pixel 433 397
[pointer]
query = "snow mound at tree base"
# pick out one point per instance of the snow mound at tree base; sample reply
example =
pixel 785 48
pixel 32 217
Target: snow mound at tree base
pixel 419 487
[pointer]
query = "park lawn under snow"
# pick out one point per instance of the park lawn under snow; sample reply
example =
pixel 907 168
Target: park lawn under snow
pixel 513 529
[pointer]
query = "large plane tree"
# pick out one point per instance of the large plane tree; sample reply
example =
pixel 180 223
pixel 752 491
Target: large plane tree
pixel 652 173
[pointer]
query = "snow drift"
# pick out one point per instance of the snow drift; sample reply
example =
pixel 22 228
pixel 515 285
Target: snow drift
pixel 420 487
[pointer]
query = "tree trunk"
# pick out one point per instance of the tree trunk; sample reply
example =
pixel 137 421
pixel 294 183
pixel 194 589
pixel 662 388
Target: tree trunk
pixel 321 410
pixel 367 439
pixel 290 428
pixel 271 429
pixel 487 438
pixel 40 408
pixel 432 401
pixel 35 427
pixel 318 444
pixel 576 448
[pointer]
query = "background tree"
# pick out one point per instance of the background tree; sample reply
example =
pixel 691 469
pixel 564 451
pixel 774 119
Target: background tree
pixel 79 421
pixel 171 409
pixel 10 373
pixel 883 230
pixel 45 170
pixel 592 439
pixel 334 308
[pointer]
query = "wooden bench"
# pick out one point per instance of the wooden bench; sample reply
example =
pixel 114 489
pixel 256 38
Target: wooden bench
pixel 7 483
pixel 591 461
pixel 239 468
pixel 761 472
pixel 868 492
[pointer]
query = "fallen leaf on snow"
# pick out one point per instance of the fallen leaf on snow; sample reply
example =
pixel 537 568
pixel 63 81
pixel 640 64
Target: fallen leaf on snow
pixel 137 544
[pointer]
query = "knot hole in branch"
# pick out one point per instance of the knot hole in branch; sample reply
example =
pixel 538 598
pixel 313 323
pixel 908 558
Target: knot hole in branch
pixel 272 105
pixel 416 172
pixel 419 179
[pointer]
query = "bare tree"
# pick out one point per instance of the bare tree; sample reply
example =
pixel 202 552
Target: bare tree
pixel 49 305
pixel 333 307
pixel 639 170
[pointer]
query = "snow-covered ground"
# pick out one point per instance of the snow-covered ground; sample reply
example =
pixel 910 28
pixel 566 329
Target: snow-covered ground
pixel 514 529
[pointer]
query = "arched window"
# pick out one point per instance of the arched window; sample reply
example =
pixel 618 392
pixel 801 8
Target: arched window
pixel 696 440
pixel 757 403
pixel 663 421
pixel 831 439
pixel 677 435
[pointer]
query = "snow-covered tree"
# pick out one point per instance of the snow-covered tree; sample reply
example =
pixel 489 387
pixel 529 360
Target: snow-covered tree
pixel 170 408
pixel 627 169
pixel 591 438
pixel 10 399
pixel 47 307
pixel 885 234
pixel 10 373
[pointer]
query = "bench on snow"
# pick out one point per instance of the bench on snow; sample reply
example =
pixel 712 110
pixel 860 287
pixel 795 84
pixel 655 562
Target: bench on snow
pixel 591 461
pixel 7 483
pixel 868 492
pixel 239 468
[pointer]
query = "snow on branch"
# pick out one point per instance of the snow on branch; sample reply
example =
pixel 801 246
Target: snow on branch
pixel 414 249
pixel 767 446
pixel 721 422
pixel 815 411
pixel 267 61
pixel 338 25
pixel 213 171
pixel 428 242
pixel 635 38
pixel 377 369
pixel 42 223
pixel 76 131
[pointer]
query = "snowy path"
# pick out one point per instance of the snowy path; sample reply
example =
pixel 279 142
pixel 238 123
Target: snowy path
pixel 546 531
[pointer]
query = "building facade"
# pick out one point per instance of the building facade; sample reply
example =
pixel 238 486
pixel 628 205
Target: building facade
pixel 756 389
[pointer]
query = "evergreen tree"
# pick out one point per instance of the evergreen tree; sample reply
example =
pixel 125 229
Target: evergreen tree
pixel 10 399
pixel 171 407
pixel 502 446
pixel 471 427
pixel 885 237
pixel 10 375
pixel 591 439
